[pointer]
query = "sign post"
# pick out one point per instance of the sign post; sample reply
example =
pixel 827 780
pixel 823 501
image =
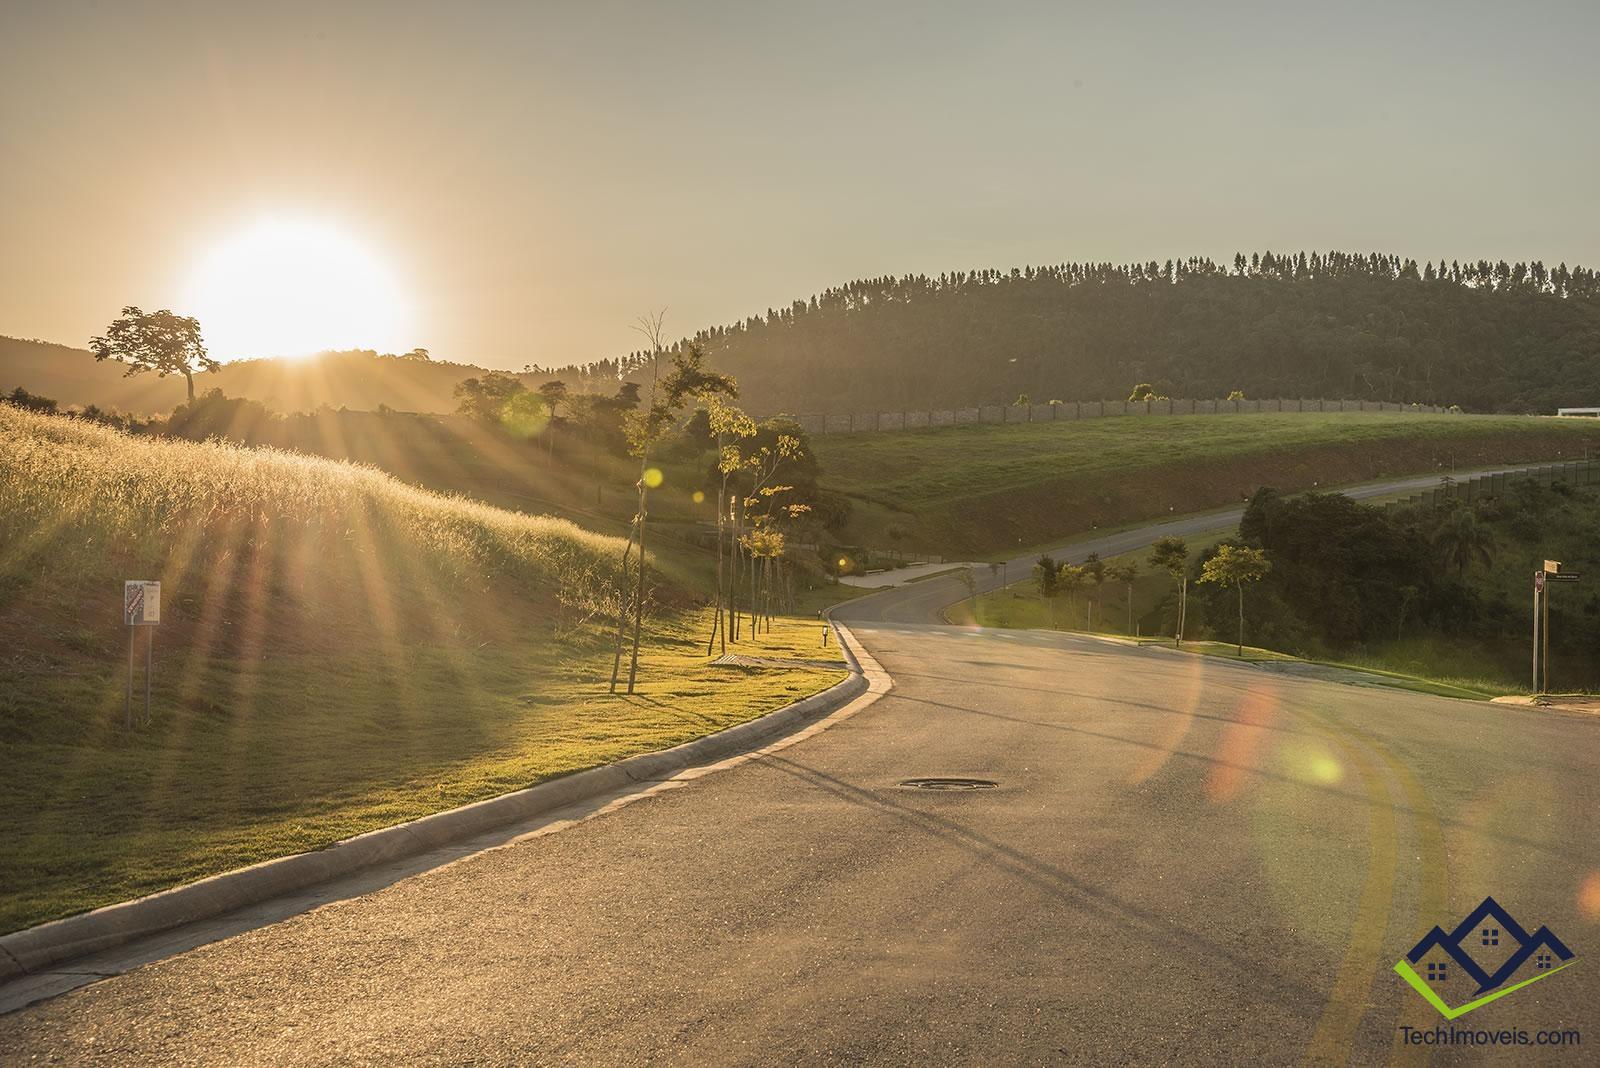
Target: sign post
pixel 1541 620
pixel 141 607
pixel 1538 600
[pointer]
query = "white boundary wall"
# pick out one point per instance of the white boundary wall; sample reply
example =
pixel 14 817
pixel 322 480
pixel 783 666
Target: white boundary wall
pixel 1068 411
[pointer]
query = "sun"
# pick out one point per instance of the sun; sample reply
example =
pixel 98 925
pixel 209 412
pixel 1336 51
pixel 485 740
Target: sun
pixel 293 287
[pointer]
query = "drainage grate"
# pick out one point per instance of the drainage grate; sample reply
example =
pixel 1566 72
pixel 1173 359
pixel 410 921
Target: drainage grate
pixel 946 783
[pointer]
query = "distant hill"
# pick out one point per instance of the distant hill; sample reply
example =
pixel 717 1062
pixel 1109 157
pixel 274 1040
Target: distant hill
pixel 1489 336
pixel 1492 337
pixel 360 380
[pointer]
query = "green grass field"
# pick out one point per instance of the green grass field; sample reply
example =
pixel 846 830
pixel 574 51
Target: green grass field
pixel 339 652
pixel 982 490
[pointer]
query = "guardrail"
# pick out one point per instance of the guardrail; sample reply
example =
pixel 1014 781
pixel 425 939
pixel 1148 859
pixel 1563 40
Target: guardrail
pixel 1067 411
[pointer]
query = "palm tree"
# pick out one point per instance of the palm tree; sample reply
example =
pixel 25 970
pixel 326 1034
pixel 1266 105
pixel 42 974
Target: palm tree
pixel 1460 540
pixel 1171 555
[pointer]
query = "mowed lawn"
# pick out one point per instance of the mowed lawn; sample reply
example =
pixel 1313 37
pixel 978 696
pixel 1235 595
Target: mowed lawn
pixel 987 489
pixel 338 652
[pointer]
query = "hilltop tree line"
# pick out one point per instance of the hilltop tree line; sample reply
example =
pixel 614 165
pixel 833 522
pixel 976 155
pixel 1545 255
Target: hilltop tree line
pixel 1490 336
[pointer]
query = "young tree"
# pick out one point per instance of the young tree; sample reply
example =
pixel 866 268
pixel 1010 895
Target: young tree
pixel 969 579
pixel 1094 569
pixel 1071 578
pixel 1123 573
pixel 553 392
pixel 765 511
pixel 157 341
pixel 729 426
pixel 690 377
pixel 1171 554
pixel 1047 576
pixel 1236 565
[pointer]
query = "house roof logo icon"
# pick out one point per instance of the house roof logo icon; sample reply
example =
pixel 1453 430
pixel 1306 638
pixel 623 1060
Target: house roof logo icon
pixel 1541 944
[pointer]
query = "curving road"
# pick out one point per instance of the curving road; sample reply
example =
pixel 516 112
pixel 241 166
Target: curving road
pixel 1183 861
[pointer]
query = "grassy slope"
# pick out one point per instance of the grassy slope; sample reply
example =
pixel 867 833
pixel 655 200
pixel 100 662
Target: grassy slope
pixel 340 652
pixel 971 490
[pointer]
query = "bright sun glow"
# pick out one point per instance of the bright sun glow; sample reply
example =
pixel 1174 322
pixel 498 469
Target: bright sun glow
pixel 288 287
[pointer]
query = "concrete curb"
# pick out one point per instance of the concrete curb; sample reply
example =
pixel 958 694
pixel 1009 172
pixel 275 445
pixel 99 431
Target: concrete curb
pixel 38 948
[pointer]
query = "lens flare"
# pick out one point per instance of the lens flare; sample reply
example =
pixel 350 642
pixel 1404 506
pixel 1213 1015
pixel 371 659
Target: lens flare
pixel 699 497
pixel 1240 743
pixel 525 415
pixel 1589 897
pixel 1313 763
pixel 653 477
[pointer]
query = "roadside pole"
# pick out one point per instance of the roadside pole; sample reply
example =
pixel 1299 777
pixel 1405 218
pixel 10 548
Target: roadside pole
pixel 141 607
pixel 127 700
pixel 1538 596
pixel 1541 620
pixel 1544 638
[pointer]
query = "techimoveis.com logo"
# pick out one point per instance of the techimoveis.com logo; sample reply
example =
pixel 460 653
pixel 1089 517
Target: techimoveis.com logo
pixel 1487 956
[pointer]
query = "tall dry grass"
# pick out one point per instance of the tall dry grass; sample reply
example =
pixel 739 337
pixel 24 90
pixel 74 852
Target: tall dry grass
pixel 77 499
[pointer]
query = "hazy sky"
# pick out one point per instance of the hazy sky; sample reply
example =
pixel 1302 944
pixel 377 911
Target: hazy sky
pixel 538 174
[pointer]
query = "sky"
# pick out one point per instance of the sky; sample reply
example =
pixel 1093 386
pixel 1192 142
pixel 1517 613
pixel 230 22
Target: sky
pixel 532 177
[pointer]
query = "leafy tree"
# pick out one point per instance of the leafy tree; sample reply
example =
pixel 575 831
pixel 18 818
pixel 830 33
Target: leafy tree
pixel 155 341
pixel 1123 572
pixel 21 398
pixel 1071 578
pixel 1171 554
pixel 485 399
pixel 1047 577
pixel 1094 570
pixel 1236 566
pixel 554 393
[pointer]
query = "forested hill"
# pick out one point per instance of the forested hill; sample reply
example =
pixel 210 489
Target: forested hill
pixel 1487 336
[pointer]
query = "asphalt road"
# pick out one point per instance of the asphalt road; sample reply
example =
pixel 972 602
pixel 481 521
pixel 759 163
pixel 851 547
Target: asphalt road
pixel 1184 861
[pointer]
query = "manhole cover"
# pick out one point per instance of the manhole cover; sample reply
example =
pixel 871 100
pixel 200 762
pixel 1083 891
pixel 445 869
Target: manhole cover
pixel 946 783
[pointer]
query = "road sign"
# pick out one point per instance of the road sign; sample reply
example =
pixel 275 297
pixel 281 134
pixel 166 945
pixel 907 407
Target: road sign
pixel 141 603
pixel 1538 581
pixel 141 607
pixel 1563 576
pixel 1552 566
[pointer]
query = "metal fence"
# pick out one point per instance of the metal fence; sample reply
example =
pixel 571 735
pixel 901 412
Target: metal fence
pixel 1573 473
pixel 1067 411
